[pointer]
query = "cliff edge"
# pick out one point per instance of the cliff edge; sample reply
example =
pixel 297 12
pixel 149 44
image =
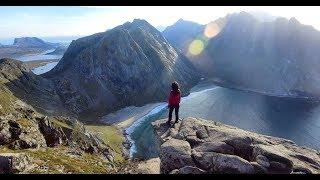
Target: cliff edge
pixel 196 146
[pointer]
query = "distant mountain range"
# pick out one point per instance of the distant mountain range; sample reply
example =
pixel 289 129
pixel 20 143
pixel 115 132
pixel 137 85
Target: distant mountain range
pixel 34 42
pixel 30 45
pixel 278 57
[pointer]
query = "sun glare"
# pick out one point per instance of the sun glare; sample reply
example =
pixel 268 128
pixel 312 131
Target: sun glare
pixel 211 30
pixel 196 47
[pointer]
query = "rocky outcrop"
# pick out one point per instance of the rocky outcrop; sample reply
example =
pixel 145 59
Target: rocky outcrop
pixel 106 71
pixel 14 163
pixel 20 130
pixel 195 146
pixel 52 134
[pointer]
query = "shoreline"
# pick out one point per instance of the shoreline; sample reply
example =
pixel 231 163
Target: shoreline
pixel 130 129
pixel 264 93
pixel 129 118
pixel 125 117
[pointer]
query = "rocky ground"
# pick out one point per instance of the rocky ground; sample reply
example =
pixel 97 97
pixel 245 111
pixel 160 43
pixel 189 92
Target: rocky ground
pixel 197 146
pixel 33 143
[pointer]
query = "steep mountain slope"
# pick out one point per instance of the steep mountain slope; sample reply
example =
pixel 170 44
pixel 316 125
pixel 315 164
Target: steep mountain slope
pixel 279 57
pixel 132 64
pixel 19 83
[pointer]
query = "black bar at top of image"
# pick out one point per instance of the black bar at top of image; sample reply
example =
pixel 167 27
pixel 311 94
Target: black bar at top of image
pixel 156 2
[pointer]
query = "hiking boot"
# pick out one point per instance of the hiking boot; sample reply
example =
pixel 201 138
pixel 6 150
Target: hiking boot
pixel 177 121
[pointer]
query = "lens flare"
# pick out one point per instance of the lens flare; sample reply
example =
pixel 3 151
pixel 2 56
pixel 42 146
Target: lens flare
pixel 196 47
pixel 211 30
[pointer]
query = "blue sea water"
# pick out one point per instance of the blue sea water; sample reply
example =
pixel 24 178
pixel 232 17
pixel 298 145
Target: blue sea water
pixel 294 119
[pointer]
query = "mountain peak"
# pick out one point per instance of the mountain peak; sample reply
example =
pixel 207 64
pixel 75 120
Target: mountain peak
pixel 293 20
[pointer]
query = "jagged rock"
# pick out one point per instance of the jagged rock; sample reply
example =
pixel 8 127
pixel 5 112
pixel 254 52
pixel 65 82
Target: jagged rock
pixel 263 161
pixel 301 169
pixel 219 147
pixel 175 171
pixel 175 154
pixel 5 164
pixel 222 163
pixel 227 149
pixel 21 137
pixel 89 142
pixel 193 140
pixel 5 134
pixel 259 169
pixel 242 146
pixel 191 170
pixel 53 135
pixel 150 166
pixel 278 167
pixel 203 160
pixel 15 162
pixel 278 161
pixel 225 163
pixel 201 134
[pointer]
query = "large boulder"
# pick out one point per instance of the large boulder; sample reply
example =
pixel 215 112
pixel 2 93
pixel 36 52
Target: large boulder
pixel 150 166
pixel 188 170
pixel 225 163
pixel 175 154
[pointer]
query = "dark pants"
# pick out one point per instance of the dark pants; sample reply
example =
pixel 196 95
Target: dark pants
pixel 176 111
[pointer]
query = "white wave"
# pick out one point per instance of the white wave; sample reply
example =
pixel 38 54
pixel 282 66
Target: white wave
pixel 45 68
pixel 131 129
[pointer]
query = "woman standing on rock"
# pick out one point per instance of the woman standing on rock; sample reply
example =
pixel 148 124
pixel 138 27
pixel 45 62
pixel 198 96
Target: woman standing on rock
pixel 174 101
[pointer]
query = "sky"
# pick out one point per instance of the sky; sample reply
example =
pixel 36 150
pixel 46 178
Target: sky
pixel 43 21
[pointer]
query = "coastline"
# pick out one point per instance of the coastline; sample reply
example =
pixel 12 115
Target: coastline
pixel 128 130
pixel 125 117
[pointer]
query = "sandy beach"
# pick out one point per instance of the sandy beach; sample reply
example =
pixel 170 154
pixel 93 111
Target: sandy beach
pixel 125 117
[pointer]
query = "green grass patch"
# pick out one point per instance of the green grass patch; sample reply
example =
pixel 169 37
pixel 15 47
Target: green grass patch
pixel 59 122
pixel 56 157
pixel 6 99
pixel 111 136
pixel 25 123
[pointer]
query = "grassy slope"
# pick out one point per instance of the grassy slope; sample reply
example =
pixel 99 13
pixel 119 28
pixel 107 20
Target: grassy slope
pixel 56 160
pixel 111 136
